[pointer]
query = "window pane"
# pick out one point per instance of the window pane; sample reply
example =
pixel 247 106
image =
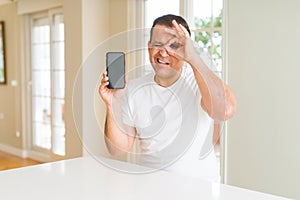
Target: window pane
pixel 59 84
pixel 58 27
pixel 217 49
pixel 40 56
pixel 202 13
pixel 58 55
pixel 58 113
pixel 217 8
pixel 48 83
pixel 59 140
pixel 157 8
pixel 208 32
pixel 59 128
pixel 42 135
pixel 41 83
pixel 41 109
pixel 203 38
pixel 58 42
pixel 202 23
pixel 40 44
pixel 58 80
pixel 217 12
pixel 41 31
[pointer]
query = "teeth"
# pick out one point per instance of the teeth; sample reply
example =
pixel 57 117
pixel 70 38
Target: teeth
pixel 161 62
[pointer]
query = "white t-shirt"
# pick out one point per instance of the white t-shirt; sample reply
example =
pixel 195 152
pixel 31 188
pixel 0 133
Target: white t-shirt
pixel 172 127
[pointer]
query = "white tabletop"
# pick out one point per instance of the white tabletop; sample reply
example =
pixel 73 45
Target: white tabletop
pixel 85 178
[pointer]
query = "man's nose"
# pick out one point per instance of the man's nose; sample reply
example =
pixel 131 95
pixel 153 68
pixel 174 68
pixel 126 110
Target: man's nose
pixel 163 52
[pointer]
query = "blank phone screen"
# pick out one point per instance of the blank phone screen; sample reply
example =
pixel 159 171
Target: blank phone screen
pixel 115 63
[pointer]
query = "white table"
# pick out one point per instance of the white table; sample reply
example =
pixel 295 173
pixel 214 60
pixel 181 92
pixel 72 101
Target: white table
pixel 85 178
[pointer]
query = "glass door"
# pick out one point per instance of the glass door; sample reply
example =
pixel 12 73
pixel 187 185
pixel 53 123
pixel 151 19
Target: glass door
pixel 48 83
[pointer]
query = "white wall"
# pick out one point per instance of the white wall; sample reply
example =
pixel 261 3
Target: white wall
pixel 264 69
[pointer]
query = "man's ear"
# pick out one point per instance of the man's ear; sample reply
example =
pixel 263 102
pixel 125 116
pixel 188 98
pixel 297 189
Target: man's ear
pixel 148 46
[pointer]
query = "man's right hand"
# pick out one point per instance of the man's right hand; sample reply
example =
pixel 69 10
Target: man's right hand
pixel 119 137
pixel 107 94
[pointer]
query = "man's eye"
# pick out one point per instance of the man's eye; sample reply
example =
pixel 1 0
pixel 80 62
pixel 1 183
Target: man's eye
pixel 174 45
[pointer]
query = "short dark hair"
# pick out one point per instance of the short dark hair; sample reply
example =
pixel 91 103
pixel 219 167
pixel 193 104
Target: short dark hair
pixel 166 20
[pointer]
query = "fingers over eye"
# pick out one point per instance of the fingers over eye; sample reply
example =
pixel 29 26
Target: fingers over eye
pixel 176 25
pixel 180 28
pixel 175 43
pixel 186 33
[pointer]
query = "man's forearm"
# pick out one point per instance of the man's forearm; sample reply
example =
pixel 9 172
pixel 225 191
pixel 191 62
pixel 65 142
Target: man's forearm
pixel 217 98
pixel 118 136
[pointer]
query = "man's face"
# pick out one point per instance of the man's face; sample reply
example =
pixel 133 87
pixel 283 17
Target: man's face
pixel 164 64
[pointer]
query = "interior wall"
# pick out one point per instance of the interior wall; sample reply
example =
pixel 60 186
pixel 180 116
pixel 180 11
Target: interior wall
pixel 95 24
pixel 118 16
pixel 30 6
pixel 263 63
pixel 73 58
pixel 94 33
pixel 113 21
pixel 10 104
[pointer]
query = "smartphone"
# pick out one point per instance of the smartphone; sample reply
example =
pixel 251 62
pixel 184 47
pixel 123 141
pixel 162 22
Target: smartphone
pixel 115 66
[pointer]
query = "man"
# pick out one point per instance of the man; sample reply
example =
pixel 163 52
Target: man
pixel 171 111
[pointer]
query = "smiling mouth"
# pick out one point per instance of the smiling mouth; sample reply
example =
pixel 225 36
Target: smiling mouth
pixel 162 62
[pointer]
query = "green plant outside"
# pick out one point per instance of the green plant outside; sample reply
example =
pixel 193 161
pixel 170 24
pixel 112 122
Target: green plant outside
pixel 204 38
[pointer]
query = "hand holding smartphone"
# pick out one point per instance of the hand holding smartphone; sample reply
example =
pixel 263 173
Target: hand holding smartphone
pixel 115 67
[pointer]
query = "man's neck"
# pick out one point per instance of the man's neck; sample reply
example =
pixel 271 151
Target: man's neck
pixel 167 82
